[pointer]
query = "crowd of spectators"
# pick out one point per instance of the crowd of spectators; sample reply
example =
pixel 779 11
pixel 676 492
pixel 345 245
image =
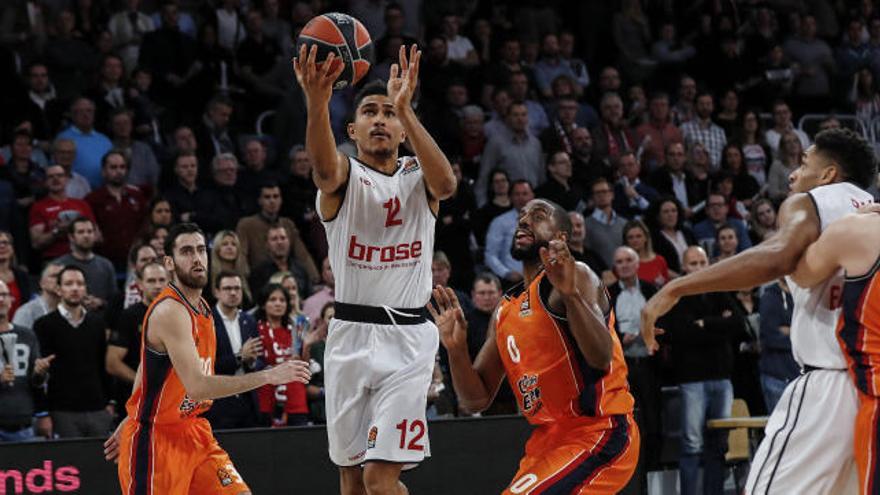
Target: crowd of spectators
pixel 667 129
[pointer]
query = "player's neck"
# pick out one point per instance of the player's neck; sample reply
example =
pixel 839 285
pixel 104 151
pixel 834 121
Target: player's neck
pixel 386 165
pixel 193 296
pixel 531 269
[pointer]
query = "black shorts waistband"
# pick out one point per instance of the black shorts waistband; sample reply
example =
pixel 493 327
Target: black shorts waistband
pixel 807 368
pixel 379 315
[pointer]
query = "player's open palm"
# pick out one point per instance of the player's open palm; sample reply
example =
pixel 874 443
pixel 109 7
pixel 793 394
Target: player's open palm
pixel 316 81
pixel 293 370
pixel 560 267
pixel 404 77
pixel 449 318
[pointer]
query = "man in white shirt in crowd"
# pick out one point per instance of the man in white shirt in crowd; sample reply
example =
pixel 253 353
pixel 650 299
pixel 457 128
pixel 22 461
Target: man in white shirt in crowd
pixel 43 304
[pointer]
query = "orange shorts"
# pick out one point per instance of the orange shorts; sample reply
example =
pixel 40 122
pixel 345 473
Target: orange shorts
pixel 175 460
pixel 866 448
pixel 595 456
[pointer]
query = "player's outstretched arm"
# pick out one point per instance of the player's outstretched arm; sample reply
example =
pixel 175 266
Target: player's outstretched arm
pixel 171 326
pixel 777 256
pixel 476 383
pixel 330 166
pixel 579 289
pixel 402 82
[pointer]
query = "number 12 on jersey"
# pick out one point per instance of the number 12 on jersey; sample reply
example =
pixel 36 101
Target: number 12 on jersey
pixel 393 207
pixel 417 428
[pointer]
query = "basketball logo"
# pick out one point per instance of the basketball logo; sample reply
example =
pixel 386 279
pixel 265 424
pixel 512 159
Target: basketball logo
pixel 371 437
pixel 224 476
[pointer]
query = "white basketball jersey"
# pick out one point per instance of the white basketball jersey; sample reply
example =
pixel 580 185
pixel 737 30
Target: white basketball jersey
pixel 816 310
pixel 381 241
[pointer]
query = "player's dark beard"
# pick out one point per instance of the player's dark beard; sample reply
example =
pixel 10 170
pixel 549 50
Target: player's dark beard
pixel 530 253
pixel 190 280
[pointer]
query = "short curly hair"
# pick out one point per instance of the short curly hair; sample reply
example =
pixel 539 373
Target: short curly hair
pixel 851 152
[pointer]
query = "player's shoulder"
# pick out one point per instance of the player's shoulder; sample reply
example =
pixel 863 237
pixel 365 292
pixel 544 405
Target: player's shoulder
pixel 853 225
pixel 167 310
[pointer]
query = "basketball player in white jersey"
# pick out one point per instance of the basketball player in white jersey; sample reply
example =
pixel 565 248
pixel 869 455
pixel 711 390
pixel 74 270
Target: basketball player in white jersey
pixel 808 445
pixel 379 212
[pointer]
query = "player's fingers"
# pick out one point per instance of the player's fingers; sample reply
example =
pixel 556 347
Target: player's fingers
pixel 432 311
pixel 337 71
pixel 436 293
pixel 544 253
pixel 412 55
pixel 394 70
pixel 443 299
pixel 459 315
pixel 310 60
pixel 452 297
pixel 414 66
pixel 659 331
pixel 328 65
pixel 402 56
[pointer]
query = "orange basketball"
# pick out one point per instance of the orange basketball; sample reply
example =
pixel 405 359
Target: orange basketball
pixel 345 36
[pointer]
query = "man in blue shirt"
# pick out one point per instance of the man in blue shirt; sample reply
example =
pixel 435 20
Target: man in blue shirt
pixel 91 145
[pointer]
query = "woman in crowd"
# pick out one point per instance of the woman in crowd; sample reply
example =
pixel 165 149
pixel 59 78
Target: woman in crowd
pixel 745 186
pixel 756 153
pixel 726 243
pixel 299 322
pixel 652 266
pixel 16 279
pixel 281 405
pixel 762 221
pixel 670 237
pixel 226 255
pixel 790 154
pixel 864 96
pixel 498 202
pixel 155 237
pixel 160 212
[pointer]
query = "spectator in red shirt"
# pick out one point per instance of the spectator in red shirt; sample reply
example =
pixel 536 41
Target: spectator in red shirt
pixel 51 216
pixel 119 207
pixel 282 405
pixel 656 134
pixel 652 266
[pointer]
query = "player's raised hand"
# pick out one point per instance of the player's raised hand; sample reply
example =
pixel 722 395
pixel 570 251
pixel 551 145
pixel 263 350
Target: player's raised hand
pixel 560 267
pixel 404 78
pixel 657 306
pixel 449 318
pixel 316 82
pixel 292 370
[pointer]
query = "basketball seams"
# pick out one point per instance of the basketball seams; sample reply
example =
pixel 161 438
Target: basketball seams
pixel 347 38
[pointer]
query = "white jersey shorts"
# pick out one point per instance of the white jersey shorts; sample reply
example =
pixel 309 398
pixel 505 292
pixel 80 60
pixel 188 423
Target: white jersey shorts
pixel 808 441
pixel 376 384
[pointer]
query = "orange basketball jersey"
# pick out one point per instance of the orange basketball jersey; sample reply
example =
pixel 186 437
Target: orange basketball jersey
pixel 160 397
pixel 858 330
pixel 544 366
